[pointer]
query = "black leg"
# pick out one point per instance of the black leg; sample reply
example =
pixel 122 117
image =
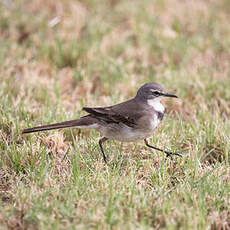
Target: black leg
pixel 103 139
pixel 168 154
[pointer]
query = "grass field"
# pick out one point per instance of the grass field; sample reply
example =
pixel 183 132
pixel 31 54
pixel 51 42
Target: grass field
pixel 58 56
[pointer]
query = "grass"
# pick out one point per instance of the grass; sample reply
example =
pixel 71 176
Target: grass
pixel 57 57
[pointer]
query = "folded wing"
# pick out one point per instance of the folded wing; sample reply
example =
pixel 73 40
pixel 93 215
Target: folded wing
pixel 127 113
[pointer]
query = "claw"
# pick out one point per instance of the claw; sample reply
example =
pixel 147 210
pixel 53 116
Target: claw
pixel 169 154
pixel 178 154
pixel 106 160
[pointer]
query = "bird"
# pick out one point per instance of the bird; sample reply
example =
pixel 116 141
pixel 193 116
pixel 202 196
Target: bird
pixel 130 121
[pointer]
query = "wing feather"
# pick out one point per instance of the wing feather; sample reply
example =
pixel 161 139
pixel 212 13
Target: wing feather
pixel 110 115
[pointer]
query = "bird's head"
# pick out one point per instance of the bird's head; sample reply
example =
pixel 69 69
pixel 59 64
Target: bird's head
pixel 151 91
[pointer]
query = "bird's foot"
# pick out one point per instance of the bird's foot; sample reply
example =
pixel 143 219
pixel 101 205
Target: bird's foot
pixel 170 154
pixel 106 159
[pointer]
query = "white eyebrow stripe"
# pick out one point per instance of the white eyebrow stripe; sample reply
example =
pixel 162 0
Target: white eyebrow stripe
pixel 155 90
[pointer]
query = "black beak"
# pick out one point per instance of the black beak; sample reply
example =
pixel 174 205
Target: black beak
pixel 169 95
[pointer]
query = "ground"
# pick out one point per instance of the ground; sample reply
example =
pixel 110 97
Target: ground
pixel 58 56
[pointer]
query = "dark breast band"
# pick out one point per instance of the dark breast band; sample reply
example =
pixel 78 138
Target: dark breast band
pixel 160 115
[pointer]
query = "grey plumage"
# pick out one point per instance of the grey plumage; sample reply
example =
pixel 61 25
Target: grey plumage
pixel 132 120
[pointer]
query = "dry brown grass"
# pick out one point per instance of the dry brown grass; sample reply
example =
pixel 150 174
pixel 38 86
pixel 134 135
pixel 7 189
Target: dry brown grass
pixel 59 56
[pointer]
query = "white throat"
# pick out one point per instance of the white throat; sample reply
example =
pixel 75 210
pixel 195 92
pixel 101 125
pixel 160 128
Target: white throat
pixel 156 104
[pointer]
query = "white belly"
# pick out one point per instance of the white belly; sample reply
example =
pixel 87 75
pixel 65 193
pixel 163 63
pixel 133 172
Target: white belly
pixel 125 133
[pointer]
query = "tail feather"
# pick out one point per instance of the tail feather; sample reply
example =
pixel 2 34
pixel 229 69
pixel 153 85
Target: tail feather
pixel 85 122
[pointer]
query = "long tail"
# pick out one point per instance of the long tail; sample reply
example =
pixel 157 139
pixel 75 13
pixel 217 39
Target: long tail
pixel 83 122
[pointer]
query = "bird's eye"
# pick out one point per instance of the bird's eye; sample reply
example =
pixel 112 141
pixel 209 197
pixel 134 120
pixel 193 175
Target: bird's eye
pixel 156 93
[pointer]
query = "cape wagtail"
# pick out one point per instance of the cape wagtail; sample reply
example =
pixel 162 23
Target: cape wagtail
pixel 132 120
